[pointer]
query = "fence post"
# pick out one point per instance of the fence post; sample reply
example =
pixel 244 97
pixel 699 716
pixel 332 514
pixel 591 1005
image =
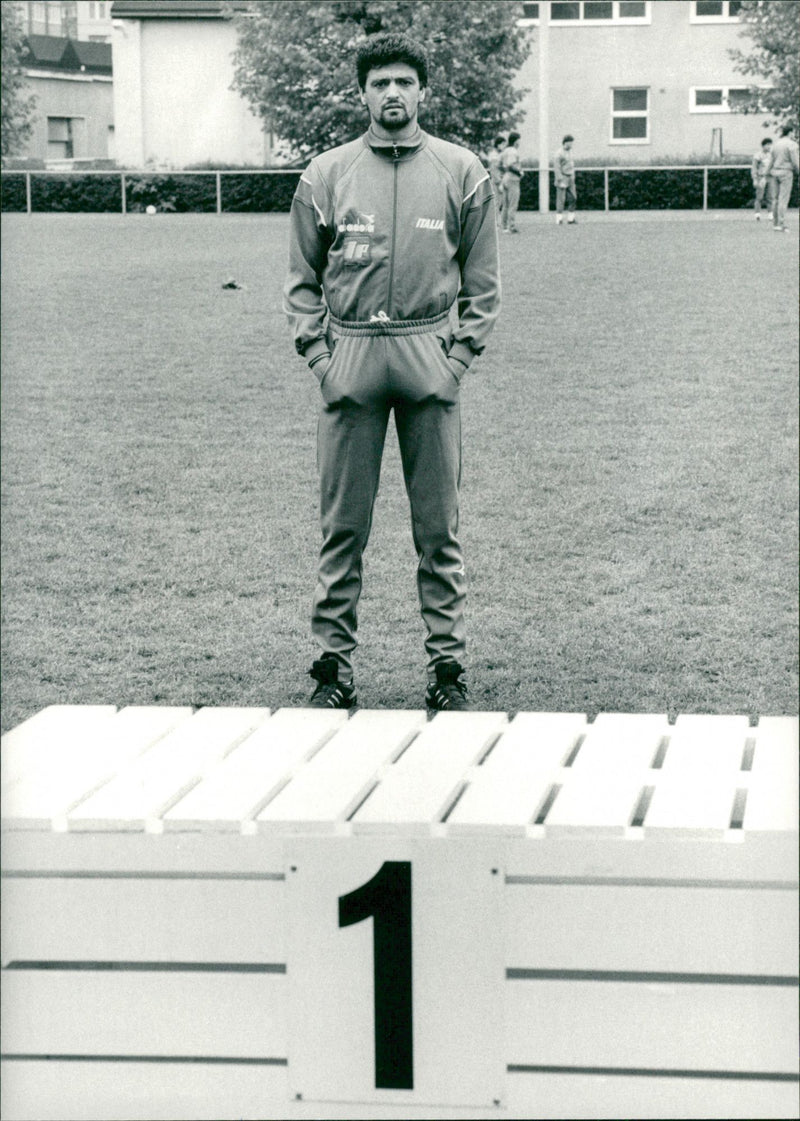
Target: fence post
pixel 605 188
pixel 219 193
pixel 124 194
pixel 705 188
pixel 28 192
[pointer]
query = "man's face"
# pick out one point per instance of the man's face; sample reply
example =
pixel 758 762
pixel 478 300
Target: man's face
pixel 567 145
pixel 392 94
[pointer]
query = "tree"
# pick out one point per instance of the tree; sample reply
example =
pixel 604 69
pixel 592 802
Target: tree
pixel 16 109
pixel 295 64
pixel 774 57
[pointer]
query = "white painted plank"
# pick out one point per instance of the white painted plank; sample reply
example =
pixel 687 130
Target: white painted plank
pixel 682 1026
pixel 621 741
pixel 772 798
pixel 34 743
pixel 601 789
pixel 703 743
pixel 416 791
pixel 507 789
pixel 239 786
pixel 137 919
pixel 83 762
pixel 636 928
pixel 702 804
pixel 141 792
pixel 109 1091
pixel 122 1012
pixel 331 785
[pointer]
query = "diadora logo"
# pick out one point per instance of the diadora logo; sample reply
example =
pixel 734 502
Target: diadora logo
pixel 354 222
pixel 430 223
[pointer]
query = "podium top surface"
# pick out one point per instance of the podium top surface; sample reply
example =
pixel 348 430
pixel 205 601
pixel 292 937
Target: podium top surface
pixel 252 772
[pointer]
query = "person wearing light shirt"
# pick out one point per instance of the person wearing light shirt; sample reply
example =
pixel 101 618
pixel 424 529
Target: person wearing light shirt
pixel 761 180
pixel 564 169
pixel 783 167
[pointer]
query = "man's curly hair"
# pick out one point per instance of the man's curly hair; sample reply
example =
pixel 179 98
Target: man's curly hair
pixel 388 47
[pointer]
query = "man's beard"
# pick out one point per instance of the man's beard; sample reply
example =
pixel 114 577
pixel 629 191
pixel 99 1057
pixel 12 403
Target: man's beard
pixel 395 123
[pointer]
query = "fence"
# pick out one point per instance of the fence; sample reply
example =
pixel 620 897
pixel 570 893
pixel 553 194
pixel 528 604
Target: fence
pixel 696 187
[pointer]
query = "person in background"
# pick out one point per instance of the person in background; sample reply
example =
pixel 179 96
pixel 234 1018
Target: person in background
pixel 761 180
pixel 495 173
pixel 564 169
pixel 783 166
pixel 511 168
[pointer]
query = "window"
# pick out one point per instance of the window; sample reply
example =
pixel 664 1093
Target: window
pixel 530 13
pixel 59 138
pixel 629 116
pixel 600 11
pixel 715 99
pixel 714 11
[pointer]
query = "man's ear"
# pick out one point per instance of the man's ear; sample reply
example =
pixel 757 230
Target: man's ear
pixel 422 93
pixel 361 95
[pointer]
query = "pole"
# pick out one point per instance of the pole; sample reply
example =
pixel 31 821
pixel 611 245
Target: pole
pixel 124 194
pixel 705 188
pixel 544 106
pixel 219 193
pixel 605 187
pixel 28 191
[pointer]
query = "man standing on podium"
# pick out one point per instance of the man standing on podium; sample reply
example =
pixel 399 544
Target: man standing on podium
pixel 392 291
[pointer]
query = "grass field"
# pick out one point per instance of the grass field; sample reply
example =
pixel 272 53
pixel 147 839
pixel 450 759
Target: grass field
pixel 629 499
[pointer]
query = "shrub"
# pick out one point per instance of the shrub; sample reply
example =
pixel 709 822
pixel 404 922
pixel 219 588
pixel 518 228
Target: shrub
pixel 13 196
pixel 655 189
pixel 168 192
pixel 96 194
pixel 265 193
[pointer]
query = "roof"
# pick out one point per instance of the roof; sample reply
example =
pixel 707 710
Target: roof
pixel 173 9
pixel 52 52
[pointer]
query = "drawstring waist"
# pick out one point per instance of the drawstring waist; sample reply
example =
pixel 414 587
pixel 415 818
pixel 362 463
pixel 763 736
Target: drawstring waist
pixel 383 325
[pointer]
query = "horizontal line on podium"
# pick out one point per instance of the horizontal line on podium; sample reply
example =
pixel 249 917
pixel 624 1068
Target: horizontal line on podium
pixel 152 966
pixel 649 881
pixel 656 1072
pixel 270 1062
pixel 648 977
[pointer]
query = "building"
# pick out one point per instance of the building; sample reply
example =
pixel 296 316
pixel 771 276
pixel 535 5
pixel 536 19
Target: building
pixel 74 113
pixel 173 104
pixel 86 20
pixel 636 81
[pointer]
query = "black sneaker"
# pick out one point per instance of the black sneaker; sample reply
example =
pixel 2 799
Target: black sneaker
pixel 447 693
pixel 330 691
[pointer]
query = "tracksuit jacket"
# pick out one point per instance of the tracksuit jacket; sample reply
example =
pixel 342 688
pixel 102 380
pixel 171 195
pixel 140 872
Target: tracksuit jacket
pixel 385 240
pixel 394 232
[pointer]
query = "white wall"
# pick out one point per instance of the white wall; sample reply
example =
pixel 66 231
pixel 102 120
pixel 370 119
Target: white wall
pixel 189 112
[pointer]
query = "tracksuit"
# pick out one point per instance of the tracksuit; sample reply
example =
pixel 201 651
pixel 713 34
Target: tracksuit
pixel 783 167
pixel 564 174
pixel 393 269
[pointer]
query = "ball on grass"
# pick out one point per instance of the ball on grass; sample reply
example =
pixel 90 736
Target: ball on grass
pixel 150 209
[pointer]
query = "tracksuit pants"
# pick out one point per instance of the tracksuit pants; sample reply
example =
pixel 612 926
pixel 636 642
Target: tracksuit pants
pixel 781 193
pixel 376 369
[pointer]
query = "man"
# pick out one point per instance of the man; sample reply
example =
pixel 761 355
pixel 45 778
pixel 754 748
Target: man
pixel 388 234
pixel 495 173
pixel 511 169
pixel 783 167
pixel 761 181
pixel 564 169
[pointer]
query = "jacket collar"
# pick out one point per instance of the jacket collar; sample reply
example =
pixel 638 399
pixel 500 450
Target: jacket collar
pixel 405 147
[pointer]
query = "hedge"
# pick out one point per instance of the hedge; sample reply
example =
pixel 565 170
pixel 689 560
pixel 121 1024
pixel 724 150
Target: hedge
pixel 647 188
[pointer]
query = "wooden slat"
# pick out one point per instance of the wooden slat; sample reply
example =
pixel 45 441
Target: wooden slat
pixel 601 789
pixel 663 1026
pixel 116 1012
pixel 772 802
pixel 206 1092
pixel 692 929
pixel 420 787
pixel 36 742
pixel 332 784
pixel 81 763
pixel 506 790
pixel 134 919
pixel 701 772
pixel 240 785
pixel 141 792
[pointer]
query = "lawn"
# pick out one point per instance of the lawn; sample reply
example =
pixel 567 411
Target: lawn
pixel 629 508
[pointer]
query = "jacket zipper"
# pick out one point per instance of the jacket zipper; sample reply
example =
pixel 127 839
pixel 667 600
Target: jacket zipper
pixel 395 158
